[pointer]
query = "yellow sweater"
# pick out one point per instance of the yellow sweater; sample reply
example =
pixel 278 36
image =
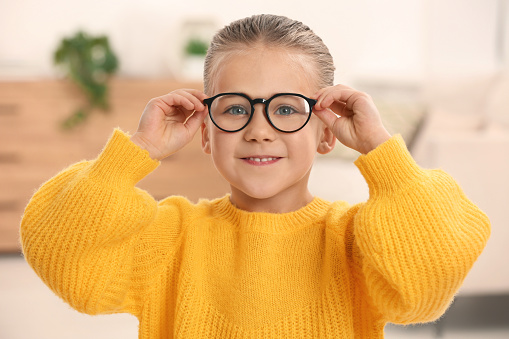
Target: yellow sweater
pixel 209 270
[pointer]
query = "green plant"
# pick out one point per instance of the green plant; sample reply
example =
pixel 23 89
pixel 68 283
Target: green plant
pixel 196 46
pixel 89 62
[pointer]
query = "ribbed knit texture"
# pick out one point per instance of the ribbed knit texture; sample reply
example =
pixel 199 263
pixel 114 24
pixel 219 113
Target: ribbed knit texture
pixel 210 270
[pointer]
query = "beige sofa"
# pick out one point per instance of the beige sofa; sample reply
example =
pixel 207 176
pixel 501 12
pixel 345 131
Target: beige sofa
pixel 467 135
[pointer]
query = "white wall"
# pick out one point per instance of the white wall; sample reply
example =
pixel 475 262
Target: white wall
pixel 391 38
pixel 462 36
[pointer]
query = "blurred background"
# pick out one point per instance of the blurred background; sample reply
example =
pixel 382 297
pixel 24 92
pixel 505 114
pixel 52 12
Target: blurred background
pixel 437 69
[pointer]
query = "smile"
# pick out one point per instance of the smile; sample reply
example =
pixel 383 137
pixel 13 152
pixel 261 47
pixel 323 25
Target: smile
pixel 262 160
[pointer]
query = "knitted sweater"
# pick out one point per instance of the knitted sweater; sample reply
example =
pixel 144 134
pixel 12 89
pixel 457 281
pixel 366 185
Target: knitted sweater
pixel 210 270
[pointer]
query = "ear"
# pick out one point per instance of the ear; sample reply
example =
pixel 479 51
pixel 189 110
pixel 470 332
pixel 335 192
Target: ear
pixel 327 141
pixel 205 139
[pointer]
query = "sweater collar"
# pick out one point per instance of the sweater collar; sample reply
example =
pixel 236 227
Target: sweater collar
pixel 263 222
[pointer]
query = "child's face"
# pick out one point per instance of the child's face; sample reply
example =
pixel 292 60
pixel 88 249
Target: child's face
pixel 278 184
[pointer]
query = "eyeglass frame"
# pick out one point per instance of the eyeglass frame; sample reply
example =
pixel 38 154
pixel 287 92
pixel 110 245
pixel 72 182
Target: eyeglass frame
pixel 266 103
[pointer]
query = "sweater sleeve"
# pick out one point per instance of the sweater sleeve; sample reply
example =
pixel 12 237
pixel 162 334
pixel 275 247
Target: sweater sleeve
pixel 418 235
pixel 80 229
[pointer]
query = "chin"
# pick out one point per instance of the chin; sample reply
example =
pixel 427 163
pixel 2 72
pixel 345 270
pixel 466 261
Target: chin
pixel 258 193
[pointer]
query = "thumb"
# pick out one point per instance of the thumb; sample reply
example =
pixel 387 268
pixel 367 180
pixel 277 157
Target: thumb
pixel 194 122
pixel 328 117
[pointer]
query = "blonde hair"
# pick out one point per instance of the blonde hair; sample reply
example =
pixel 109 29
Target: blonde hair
pixel 270 31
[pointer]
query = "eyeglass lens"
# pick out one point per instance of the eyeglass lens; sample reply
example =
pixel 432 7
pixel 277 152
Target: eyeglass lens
pixel 286 112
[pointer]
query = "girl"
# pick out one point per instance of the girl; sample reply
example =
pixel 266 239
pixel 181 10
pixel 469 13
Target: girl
pixel 269 260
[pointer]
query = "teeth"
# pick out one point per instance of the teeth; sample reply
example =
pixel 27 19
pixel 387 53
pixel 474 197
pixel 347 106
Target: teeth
pixel 262 159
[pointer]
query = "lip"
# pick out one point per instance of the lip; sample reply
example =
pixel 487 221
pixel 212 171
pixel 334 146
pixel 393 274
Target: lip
pixel 261 160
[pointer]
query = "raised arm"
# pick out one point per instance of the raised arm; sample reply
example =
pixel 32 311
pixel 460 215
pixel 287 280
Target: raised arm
pixel 417 236
pixel 89 233
pixel 80 229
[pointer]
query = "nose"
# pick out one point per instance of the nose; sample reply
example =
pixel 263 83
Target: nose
pixel 259 128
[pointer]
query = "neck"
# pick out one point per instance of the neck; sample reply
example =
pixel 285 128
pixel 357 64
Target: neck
pixel 284 202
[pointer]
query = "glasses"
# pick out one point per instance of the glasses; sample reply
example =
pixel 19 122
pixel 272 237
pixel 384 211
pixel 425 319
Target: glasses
pixel 286 112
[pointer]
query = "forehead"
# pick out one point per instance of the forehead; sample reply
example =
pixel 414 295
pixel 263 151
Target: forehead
pixel 262 72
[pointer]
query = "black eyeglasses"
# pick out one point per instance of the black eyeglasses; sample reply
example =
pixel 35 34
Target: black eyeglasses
pixel 286 112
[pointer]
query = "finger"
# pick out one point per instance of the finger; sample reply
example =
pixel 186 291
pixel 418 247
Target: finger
pixel 195 96
pixel 199 94
pixel 196 120
pixel 336 95
pixel 177 101
pixel 328 117
pixel 319 93
pixel 339 108
pixel 330 89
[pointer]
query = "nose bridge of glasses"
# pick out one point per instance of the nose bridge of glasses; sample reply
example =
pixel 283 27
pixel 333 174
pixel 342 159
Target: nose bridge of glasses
pixel 254 102
pixel 258 101
pixel 255 117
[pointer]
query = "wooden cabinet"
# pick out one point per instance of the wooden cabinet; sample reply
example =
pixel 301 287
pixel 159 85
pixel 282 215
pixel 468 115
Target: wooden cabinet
pixel 33 147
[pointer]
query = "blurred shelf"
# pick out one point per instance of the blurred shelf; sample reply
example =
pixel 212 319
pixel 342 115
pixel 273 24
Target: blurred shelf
pixel 33 147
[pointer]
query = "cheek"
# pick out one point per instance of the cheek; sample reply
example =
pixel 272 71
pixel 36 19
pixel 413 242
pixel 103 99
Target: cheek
pixel 303 147
pixel 221 143
pixel 315 133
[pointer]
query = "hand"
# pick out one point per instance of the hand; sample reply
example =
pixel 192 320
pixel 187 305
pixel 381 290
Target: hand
pixel 169 122
pixel 352 117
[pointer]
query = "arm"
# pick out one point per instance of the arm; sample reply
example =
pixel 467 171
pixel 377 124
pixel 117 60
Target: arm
pixel 83 231
pixel 80 229
pixel 418 235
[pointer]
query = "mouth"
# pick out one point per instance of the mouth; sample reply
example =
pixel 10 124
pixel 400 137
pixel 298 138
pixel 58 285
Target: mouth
pixel 261 160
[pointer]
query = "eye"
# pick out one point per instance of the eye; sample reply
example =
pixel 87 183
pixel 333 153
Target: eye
pixel 285 110
pixel 236 110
